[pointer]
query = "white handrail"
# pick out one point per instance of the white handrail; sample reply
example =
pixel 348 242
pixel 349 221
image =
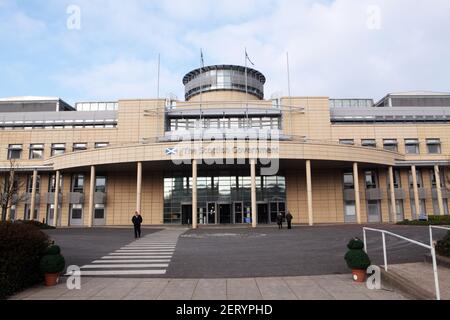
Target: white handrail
pixel 430 247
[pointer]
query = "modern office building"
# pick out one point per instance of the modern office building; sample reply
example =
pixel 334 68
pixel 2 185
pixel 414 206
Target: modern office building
pixel 227 155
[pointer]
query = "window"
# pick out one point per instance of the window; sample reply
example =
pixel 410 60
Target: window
pixel 79 147
pixel 397 179
pixel 58 149
pixel 51 183
pixel 350 208
pixel 100 184
pixel 99 145
pixel 99 212
pixel 349 182
pixel 423 209
pixel 390 144
pixel 78 183
pixel 76 211
pixel 36 151
pixel 30 184
pixel 419 179
pixel 434 146
pixel 370 143
pixel 412 146
pixel 371 180
pixel 433 179
pixel 14 151
pixel 350 142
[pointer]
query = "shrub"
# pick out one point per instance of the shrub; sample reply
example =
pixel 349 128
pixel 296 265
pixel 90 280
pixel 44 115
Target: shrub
pixel 443 246
pixel 37 224
pixel 356 258
pixel 432 220
pixel 53 250
pixel 52 263
pixel 21 248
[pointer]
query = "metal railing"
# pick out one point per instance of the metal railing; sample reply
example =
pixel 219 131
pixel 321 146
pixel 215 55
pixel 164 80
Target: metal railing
pixel 423 245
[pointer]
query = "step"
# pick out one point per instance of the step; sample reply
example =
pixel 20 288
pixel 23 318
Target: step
pixel 407 287
pixel 441 260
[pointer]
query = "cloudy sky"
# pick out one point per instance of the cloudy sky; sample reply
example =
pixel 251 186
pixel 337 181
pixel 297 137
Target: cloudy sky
pixel 340 48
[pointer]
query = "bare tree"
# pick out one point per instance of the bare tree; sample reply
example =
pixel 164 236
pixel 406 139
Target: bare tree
pixel 11 187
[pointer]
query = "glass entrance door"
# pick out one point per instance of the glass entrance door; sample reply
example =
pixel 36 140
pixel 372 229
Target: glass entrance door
pixel 275 208
pixel 263 213
pixel 186 214
pixel 211 216
pixel 238 212
pixel 225 213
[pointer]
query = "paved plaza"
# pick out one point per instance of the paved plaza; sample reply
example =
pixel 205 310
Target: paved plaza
pixel 331 287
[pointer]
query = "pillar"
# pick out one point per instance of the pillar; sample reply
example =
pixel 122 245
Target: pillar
pixel 437 173
pixel 91 198
pixel 253 182
pixel 357 195
pixel 416 191
pixel 309 192
pixel 194 194
pixel 33 194
pixel 139 187
pixel 56 199
pixel 392 190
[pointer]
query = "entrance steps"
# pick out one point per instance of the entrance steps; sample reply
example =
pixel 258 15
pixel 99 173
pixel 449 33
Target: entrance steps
pixel 416 280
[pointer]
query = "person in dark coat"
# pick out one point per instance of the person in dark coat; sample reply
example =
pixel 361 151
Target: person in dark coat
pixel 137 222
pixel 289 218
pixel 280 220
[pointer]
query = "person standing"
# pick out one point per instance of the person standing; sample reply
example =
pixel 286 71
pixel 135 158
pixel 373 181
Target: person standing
pixel 289 218
pixel 280 220
pixel 137 222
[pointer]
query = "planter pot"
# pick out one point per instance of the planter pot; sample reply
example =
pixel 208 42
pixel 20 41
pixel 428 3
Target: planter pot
pixel 51 279
pixel 359 275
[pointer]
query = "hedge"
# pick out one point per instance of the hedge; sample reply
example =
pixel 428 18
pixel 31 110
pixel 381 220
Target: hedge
pixel 432 220
pixel 443 246
pixel 21 248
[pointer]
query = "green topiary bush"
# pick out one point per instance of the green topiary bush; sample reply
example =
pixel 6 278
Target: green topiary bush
pixel 52 261
pixel 356 257
pixel 432 220
pixel 21 248
pixel 443 246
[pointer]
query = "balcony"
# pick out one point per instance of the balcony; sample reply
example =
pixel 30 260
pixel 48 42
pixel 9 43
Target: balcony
pixel 100 198
pixel 422 193
pixel 445 193
pixel 28 198
pixel 76 198
pixel 400 194
pixel 374 194
pixel 50 198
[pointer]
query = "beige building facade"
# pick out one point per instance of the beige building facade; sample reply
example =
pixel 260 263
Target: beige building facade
pixel 227 155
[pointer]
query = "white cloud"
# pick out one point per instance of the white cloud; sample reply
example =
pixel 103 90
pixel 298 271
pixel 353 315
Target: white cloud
pixel 332 52
pixel 120 79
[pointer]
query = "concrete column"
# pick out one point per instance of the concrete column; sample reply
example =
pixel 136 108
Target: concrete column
pixel 309 192
pixel 357 196
pixel 437 173
pixel 254 205
pixel 416 191
pixel 33 194
pixel 91 198
pixel 194 194
pixel 56 199
pixel 139 187
pixel 392 190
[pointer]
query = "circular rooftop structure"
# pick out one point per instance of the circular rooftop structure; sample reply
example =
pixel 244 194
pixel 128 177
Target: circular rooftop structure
pixel 224 78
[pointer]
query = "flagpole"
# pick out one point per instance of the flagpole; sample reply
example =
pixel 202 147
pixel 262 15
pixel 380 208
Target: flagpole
pixel 202 64
pixel 159 73
pixel 246 88
pixel 289 90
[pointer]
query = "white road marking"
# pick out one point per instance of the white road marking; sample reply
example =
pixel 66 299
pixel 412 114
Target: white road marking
pixel 136 257
pixel 123 266
pixel 131 261
pixel 122 273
